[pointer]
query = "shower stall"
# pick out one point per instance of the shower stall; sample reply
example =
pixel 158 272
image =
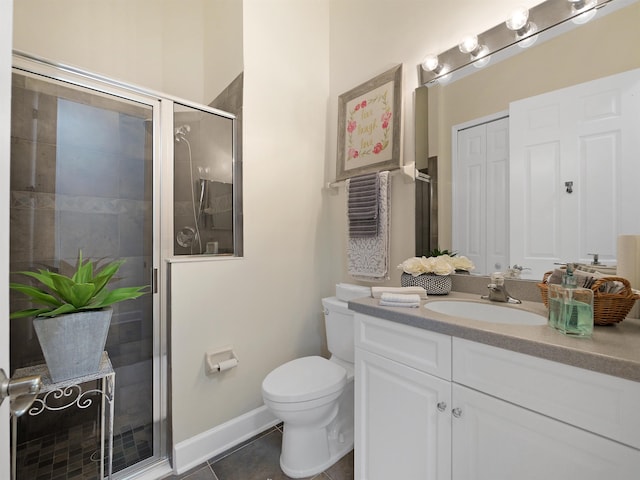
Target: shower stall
pixel 90 163
pixel 203 184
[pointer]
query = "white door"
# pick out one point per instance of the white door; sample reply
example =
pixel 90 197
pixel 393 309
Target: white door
pixel 403 425
pixel 480 196
pixel 493 439
pixel 574 171
pixel 6 17
pixel 497 187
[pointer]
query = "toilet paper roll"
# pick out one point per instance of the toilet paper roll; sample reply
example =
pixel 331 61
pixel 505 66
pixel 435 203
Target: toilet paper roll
pixel 629 259
pixel 227 364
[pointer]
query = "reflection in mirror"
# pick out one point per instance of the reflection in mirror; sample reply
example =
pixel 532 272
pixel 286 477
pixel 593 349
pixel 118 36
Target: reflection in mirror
pixel 572 58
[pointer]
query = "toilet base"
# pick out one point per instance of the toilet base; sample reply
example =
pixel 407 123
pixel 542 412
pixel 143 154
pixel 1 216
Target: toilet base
pixel 294 464
pixel 307 452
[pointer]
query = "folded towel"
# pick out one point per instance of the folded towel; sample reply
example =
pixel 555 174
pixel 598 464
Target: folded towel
pixel 399 300
pixel 363 205
pixel 400 297
pixel 376 292
pixel 396 304
pixel 368 257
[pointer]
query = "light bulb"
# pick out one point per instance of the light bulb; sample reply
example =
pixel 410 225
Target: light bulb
pixel 468 44
pixel 481 58
pixel 518 19
pixel 431 62
pixel 589 11
pixel 587 7
pixel 530 37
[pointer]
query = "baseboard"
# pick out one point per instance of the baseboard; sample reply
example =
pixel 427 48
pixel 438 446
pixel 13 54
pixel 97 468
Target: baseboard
pixel 197 450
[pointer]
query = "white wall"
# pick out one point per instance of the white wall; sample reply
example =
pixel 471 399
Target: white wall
pixel 172 46
pixel 266 305
pixel 222 28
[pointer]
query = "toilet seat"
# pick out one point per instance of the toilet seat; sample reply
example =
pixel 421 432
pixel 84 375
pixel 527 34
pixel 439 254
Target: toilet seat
pixel 304 379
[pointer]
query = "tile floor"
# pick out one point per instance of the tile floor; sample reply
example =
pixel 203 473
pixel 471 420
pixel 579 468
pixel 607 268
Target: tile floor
pixel 70 454
pixel 259 459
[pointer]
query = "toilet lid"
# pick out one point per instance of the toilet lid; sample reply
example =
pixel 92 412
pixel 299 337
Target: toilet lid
pixel 303 379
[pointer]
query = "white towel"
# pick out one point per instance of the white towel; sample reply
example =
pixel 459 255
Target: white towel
pixel 368 257
pixel 400 300
pixel 400 297
pixel 376 292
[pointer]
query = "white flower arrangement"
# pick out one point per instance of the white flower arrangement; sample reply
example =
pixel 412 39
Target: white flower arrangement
pixel 440 265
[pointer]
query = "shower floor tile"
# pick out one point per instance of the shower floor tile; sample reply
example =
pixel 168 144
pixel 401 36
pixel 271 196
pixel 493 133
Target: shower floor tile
pixel 74 454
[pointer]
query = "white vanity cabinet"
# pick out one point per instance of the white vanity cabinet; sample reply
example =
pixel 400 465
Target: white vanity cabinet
pixel 402 399
pixel 486 413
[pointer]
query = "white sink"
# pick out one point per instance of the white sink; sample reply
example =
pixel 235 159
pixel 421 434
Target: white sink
pixel 486 312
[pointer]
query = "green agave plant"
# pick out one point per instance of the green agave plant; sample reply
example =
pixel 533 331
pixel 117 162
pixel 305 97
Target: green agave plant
pixel 85 290
pixel 436 252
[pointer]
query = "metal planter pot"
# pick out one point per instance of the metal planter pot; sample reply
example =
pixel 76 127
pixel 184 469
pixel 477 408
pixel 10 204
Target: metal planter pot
pixel 73 344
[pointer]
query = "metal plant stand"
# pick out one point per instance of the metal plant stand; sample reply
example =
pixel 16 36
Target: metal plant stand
pixel 68 393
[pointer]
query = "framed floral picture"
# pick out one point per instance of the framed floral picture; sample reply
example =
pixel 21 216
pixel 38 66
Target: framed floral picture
pixel 369 118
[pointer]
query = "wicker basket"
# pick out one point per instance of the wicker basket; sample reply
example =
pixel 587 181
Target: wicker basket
pixel 608 308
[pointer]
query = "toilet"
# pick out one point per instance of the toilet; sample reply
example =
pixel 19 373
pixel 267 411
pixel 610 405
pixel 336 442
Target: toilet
pixel 313 397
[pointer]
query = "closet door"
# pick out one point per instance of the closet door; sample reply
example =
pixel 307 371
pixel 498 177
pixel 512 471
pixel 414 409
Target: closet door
pixel 586 135
pixel 470 196
pixel 480 197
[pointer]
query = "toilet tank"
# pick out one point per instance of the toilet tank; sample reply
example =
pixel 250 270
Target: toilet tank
pixel 339 324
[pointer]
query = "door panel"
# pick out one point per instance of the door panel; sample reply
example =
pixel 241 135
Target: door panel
pixel 82 178
pixel 586 135
pixel 494 439
pixel 400 431
pixel 481 195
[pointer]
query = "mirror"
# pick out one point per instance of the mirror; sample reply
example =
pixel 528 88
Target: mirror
pixel 594 50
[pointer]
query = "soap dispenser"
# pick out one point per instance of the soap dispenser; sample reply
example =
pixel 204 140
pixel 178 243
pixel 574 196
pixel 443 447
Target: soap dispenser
pixel 576 314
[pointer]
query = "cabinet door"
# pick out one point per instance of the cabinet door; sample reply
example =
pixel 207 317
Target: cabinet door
pixel 400 430
pixel 496 440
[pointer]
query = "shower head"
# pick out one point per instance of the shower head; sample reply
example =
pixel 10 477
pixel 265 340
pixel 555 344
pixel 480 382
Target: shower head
pixel 181 131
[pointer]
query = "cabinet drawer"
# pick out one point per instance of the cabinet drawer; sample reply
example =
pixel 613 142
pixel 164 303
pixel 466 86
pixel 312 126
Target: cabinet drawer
pixel 596 402
pixel 415 347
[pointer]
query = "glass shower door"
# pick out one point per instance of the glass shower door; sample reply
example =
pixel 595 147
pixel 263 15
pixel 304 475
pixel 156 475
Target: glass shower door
pixel 82 179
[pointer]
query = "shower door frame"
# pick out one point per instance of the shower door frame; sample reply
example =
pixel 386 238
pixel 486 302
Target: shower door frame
pixel 162 162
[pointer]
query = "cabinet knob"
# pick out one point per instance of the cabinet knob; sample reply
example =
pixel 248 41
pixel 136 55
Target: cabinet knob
pixel 442 406
pixel 456 412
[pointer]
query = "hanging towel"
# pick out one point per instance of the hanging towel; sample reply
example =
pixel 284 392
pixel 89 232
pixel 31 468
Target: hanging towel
pixel 363 205
pixel 368 257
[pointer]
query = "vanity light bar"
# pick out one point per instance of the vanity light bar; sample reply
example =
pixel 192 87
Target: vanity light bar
pixel 545 15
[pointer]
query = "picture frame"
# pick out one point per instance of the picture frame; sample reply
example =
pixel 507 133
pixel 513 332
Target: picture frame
pixel 369 126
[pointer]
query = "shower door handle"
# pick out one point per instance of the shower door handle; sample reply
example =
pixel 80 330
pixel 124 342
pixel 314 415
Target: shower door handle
pixel 154 280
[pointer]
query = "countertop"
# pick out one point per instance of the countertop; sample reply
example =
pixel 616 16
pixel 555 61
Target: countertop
pixel 612 349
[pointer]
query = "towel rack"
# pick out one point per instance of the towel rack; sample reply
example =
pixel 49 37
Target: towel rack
pixel 409 172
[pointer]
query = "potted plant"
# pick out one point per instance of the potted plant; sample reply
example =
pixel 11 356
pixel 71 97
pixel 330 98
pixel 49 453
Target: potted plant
pixel 433 273
pixel 73 314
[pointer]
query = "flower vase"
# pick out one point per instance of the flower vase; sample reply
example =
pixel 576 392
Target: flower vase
pixel 432 283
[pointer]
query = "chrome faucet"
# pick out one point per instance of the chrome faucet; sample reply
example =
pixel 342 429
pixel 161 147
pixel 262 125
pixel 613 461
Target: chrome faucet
pixel 498 291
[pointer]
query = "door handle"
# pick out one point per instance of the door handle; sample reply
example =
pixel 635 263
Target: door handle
pixel 21 392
